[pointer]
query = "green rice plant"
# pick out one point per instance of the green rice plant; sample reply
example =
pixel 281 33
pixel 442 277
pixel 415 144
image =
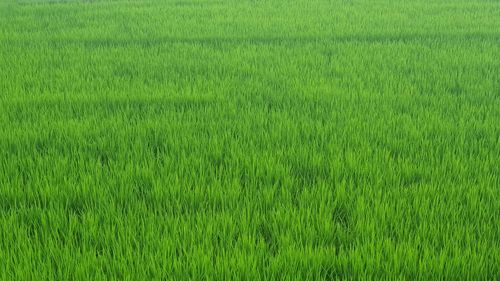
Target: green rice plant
pixel 249 140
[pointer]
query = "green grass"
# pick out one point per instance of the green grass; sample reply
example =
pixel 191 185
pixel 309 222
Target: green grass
pixel 249 140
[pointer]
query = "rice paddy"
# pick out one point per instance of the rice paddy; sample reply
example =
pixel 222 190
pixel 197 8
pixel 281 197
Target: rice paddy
pixel 249 140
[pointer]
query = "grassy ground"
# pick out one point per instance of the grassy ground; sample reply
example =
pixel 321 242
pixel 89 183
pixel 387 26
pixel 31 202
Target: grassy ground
pixel 249 140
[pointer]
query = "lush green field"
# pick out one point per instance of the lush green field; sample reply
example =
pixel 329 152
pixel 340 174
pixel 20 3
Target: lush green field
pixel 249 140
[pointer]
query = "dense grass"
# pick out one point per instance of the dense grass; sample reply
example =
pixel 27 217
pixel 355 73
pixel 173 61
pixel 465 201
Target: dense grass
pixel 249 140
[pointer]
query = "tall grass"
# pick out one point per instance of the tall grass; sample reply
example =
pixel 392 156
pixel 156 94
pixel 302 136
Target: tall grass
pixel 249 140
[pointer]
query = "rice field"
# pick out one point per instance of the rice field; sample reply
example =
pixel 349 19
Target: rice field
pixel 249 140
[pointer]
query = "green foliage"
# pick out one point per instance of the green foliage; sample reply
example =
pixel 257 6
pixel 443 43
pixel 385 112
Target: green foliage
pixel 249 140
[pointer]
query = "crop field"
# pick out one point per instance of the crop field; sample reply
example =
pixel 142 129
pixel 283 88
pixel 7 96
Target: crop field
pixel 249 140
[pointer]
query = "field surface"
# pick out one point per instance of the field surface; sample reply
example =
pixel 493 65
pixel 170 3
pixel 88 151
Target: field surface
pixel 249 140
